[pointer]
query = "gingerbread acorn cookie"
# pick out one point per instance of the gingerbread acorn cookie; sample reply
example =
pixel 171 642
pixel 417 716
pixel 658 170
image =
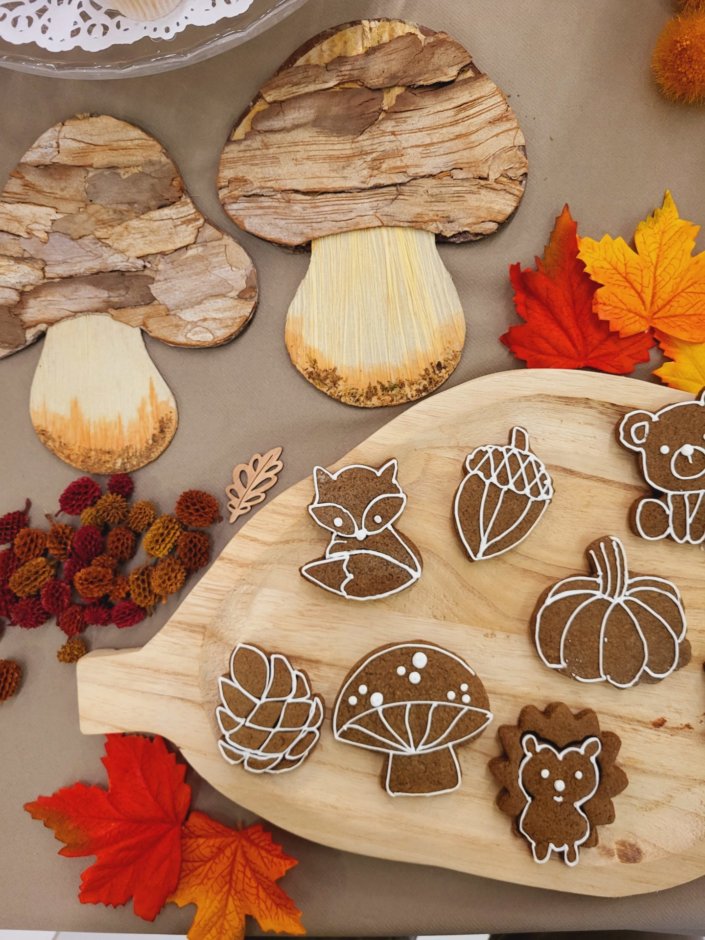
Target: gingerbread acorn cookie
pixel 503 496
pixel 367 557
pixel 558 777
pixel 268 717
pixel 415 703
pixel 671 448
pixel 611 626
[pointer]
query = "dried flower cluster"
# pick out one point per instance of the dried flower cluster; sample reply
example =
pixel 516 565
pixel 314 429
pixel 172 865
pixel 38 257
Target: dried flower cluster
pixel 74 571
pixel 10 678
pixel 678 60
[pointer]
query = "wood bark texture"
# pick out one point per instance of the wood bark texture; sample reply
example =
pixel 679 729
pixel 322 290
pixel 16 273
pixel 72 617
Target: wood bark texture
pixel 376 123
pixel 480 611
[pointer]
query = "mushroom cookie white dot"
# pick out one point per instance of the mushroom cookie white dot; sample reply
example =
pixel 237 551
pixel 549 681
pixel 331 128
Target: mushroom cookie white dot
pixel 373 141
pixel 367 558
pixel 416 717
pixel 503 496
pixel 99 241
pixel 268 717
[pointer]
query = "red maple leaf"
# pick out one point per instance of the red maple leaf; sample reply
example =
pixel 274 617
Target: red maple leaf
pixel 555 301
pixel 133 828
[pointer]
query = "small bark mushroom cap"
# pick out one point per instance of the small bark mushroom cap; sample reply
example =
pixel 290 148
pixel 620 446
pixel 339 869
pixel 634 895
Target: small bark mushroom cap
pixel 414 702
pixel 375 123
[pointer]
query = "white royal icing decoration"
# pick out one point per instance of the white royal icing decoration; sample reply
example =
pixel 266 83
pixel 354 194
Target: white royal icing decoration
pixel 61 25
pixel 414 678
pixel 577 587
pixel 398 743
pixel 401 670
pixel 531 747
pixel 234 752
pixel 419 660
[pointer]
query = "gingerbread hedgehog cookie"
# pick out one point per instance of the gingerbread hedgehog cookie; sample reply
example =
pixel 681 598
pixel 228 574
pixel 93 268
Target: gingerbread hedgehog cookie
pixel 502 497
pixel 671 448
pixel 611 626
pixel 367 557
pixel 268 717
pixel 558 777
pixel 415 703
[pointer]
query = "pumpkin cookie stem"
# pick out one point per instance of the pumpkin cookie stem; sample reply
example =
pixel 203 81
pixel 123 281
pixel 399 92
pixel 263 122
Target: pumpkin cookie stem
pixel 610 565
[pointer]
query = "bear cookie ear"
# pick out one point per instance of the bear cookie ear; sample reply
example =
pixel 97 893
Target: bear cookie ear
pixel 634 429
pixel 530 745
pixel 591 747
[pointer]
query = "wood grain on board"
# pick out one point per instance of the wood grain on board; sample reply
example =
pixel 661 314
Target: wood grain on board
pixel 481 611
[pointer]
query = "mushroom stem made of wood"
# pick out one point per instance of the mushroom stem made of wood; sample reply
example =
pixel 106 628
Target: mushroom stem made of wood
pixel 372 141
pixel 99 242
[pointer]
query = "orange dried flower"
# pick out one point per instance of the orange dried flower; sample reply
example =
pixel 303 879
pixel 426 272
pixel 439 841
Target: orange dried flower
pixel 678 60
pixel 105 561
pixel 141 587
pixel 691 6
pixel 141 516
pixel 120 588
pixel 197 508
pixel 10 678
pixel 121 543
pixel 71 620
pixel 72 650
pixel 59 540
pixel 89 516
pixel 111 509
pixel 162 536
pixel 94 581
pixel 31 576
pixel 193 550
pixel 168 576
pixel 29 543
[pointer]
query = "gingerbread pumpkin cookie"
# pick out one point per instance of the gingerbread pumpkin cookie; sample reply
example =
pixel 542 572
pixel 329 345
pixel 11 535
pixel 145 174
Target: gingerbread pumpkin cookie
pixel 558 776
pixel 415 703
pixel 612 626
pixel 269 719
pixel 504 494
pixel 671 448
pixel 367 557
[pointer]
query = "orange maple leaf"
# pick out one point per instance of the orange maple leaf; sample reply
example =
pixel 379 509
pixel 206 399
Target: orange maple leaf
pixel 228 874
pixel 686 371
pixel 133 828
pixel 661 284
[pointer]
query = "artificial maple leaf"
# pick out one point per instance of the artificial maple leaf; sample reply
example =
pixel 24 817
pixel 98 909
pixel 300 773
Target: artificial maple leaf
pixel 560 329
pixel 228 874
pixel 133 828
pixel 661 284
pixel 687 369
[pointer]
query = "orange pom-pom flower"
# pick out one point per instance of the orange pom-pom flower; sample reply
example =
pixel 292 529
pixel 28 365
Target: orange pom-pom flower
pixel 29 543
pixel 678 60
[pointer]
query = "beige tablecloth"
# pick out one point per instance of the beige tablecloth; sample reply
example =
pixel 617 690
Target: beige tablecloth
pixel 600 137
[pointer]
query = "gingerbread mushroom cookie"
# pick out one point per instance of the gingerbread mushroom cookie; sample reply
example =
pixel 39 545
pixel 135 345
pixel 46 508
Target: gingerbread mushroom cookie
pixel 502 498
pixel 269 719
pixel 671 448
pixel 416 703
pixel 612 626
pixel 367 557
pixel 558 776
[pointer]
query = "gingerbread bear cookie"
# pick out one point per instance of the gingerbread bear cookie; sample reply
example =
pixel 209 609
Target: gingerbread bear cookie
pixel 268 717
pixel 502 498
pixel 367 557
pixel 671 448
pixel 416 703
pixel 611 626
pixel 558 776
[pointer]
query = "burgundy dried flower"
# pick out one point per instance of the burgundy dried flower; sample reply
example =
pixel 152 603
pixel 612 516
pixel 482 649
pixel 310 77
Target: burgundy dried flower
pixel 55 596
pixel 88 542
pixel 78 496
pixel 122 484
pixel 7 599
pixel 12 522
pixel 28 613
pixel 9 563
pixel 71 568
pixel 128 614
pixel 72 620
pixel 97 615
pixel 197 508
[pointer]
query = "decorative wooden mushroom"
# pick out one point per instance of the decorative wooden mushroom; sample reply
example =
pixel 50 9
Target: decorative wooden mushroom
pixel 372 141
pixel 98 239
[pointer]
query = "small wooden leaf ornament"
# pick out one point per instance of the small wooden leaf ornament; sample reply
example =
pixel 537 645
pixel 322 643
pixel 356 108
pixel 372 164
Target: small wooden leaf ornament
pixel 251 482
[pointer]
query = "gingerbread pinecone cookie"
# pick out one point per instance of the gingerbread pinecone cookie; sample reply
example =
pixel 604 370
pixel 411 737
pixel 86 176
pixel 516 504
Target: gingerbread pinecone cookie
pixel 558 775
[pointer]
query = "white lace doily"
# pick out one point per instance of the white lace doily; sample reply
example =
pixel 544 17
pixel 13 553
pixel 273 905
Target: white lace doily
pixel 59 25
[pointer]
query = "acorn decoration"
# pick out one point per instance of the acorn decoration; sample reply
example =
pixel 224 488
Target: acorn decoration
pixel 612 626
pixel 503 496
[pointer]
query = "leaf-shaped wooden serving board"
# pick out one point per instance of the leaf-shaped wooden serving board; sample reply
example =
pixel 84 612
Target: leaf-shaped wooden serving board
pixel 481 611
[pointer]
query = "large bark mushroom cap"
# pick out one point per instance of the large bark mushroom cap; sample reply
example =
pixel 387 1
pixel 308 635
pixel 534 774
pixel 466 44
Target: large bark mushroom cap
pixel 94 220
pixel 414 702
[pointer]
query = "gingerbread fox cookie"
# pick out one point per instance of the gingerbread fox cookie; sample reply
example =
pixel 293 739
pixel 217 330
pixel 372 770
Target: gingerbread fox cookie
pixel 671 448
pixel 502 498
pixel 367 557
pixel 558 776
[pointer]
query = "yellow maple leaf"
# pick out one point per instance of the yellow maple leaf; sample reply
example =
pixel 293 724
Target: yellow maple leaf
pixel 661 284
pixel 686 371
pixel 228 874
